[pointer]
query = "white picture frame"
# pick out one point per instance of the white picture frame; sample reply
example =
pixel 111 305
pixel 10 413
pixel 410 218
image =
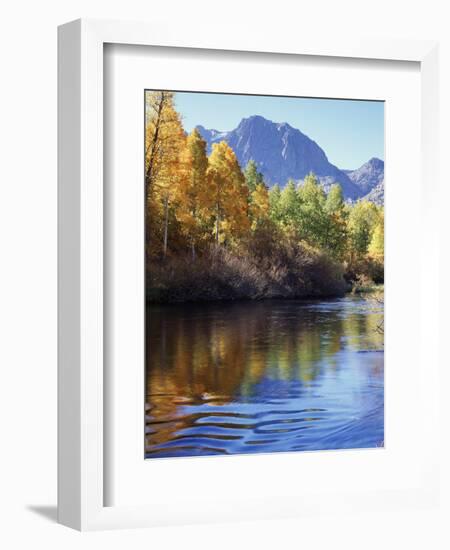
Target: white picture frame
pixel 82 483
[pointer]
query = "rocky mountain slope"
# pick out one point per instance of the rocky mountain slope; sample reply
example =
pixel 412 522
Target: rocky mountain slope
pixel 283 152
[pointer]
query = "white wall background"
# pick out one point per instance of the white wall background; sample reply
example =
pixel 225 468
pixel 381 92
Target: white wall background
pixel 28 270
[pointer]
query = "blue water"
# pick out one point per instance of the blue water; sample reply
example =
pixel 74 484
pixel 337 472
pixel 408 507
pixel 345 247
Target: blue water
pixel 267 376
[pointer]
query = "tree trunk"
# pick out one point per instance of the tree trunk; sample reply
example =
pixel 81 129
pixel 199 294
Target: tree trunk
pixel 327 233
pixel 194 215
pixel 217 227
pixel 166 224
pixel 217 218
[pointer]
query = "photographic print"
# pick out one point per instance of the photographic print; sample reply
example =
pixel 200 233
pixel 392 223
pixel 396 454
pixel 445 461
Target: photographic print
pixel 264 258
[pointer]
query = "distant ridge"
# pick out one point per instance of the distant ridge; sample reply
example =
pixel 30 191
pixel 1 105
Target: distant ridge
pixel 370 179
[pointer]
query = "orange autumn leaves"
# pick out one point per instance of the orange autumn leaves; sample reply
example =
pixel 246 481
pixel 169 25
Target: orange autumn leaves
pixel 192 199
pixel 230 193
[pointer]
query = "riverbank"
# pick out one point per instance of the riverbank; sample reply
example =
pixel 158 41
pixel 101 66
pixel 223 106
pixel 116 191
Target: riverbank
pixel 367 287
pixel 289 271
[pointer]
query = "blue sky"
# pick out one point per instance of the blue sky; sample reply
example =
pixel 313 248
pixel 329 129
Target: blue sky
pixel 349 131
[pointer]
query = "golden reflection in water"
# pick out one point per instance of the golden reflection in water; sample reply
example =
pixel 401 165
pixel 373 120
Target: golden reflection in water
pixel 198 354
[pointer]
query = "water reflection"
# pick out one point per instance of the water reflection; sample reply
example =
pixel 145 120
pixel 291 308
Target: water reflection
pixel 263 377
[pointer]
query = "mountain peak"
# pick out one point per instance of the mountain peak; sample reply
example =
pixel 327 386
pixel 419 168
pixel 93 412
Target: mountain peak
pixel 376 162
pixel 283 152
pixel 368 176
pixel 259 120
pixel 254 120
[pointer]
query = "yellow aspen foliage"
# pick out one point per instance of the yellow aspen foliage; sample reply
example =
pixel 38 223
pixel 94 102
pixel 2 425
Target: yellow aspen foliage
pixel 160 120
pixel 194 197
pixel 165 142
pixel 376 246
pixel 259 205
pixel 363 218
pixel 230 194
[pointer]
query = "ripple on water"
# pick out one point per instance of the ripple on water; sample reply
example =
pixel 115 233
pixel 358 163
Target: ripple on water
pixel 264 377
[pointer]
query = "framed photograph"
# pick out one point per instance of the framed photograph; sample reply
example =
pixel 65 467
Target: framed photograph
pixel 264 275
pixel 246 231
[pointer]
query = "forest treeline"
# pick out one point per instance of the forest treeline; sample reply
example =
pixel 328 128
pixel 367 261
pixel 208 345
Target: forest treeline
pixel 214 230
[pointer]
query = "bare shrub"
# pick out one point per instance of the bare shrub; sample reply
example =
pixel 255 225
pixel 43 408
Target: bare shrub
pixel 265 266
pixel 366 267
